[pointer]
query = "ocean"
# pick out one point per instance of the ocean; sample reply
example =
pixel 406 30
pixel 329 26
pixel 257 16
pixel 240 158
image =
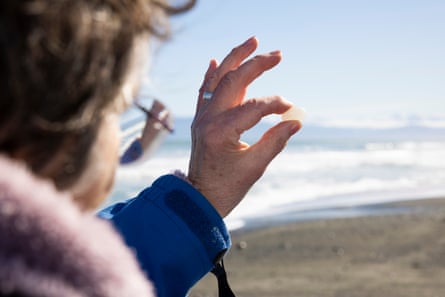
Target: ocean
pixel 322 172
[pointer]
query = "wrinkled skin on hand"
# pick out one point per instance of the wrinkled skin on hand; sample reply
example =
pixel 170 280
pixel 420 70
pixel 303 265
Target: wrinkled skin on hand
pixel 222 167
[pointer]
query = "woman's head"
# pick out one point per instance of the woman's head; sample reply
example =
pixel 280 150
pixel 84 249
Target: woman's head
pixel 63 65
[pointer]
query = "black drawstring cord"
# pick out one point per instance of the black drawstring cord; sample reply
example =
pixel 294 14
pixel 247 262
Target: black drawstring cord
pixel 224 289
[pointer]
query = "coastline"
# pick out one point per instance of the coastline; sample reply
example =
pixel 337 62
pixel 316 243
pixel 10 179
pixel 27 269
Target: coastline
pixel 336 210
pixel 389 249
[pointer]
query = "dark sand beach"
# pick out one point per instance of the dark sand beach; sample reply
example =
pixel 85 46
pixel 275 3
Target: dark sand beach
pixel 396 254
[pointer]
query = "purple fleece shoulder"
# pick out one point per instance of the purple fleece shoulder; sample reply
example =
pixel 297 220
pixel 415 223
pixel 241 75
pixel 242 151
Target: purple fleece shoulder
pixel 176 233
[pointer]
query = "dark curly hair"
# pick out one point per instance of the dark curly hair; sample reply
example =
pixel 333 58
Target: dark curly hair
pixel 62 64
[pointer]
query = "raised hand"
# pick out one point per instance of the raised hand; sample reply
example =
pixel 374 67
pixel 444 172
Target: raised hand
pixel 222 167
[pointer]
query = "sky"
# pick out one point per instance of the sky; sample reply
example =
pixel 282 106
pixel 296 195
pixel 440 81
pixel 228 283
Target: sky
pixel 347 62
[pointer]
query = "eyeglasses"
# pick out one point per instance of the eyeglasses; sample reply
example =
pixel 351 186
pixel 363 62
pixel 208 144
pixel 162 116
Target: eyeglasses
pixel 141 138
pixel 167 126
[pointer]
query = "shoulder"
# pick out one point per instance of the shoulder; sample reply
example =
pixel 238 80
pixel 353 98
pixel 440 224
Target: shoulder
pixel 48 247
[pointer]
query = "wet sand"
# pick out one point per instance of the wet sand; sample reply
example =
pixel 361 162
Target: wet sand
pixel 389 255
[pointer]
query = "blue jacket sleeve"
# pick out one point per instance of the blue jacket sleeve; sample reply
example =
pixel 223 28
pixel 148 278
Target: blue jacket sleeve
pixel 176 233
pixel 132 153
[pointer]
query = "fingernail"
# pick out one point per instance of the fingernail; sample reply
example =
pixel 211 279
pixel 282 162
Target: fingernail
pixel 294 127
pixel 286 101
pixel 249 41
pixel 275 53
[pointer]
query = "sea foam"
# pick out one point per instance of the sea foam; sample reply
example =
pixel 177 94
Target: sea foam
pixel 317 171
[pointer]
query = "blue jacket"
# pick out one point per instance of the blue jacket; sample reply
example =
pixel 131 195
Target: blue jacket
pixel 176 233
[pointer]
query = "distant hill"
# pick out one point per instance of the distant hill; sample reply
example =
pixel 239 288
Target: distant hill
pixel 316 132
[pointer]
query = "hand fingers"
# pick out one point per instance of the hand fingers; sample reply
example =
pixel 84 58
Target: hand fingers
pixel 213 65
pixel 231 62
pixel 249 113
pixel 232 87
pixel 271 144
pixel 273 141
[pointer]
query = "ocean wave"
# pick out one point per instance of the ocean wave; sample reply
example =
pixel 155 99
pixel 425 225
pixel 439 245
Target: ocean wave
pixel 316 173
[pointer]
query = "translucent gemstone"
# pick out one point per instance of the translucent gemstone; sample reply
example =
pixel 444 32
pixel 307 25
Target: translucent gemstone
pixel 294 113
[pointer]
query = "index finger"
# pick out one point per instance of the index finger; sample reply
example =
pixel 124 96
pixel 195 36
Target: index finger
pixel 248 114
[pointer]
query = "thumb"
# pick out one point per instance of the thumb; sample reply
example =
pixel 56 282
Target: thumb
pixel 273 142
